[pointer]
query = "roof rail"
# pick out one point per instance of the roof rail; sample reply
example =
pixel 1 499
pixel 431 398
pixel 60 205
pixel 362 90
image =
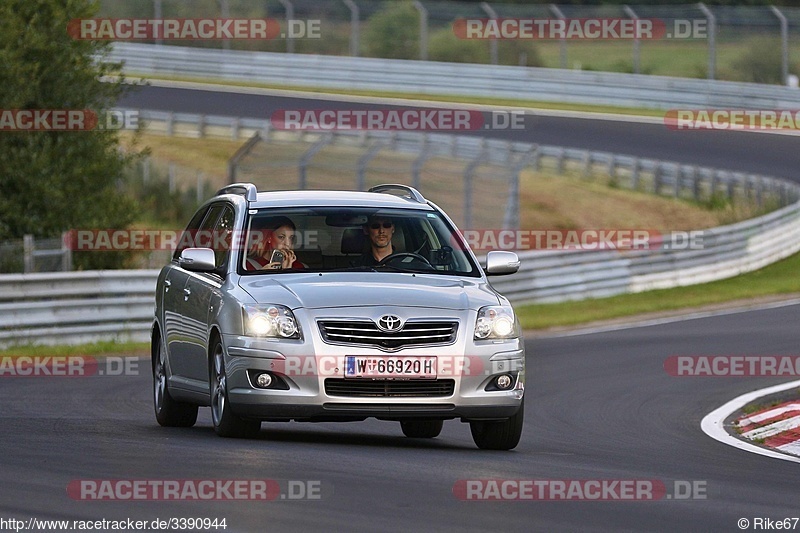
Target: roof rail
pixel 410 192
pixel 248 190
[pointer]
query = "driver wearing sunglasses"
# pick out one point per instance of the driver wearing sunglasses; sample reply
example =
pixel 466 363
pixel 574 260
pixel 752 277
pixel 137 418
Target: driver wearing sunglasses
pixel 380 231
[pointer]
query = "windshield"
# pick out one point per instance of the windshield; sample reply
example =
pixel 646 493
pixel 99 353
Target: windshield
pixel 353 239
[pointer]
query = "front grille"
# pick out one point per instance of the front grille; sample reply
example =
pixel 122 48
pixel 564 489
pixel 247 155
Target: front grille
pixel 389 388
pixel 366 333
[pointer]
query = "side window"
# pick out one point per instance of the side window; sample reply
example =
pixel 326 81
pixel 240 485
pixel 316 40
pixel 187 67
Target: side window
pixel 186 239
pixel 223 236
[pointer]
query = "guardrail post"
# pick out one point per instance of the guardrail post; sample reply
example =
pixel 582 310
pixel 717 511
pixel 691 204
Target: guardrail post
pixel 199 188
pixel 235 124
pixel 170 124
pixel 612 169
pixel 287 5
pixel 561 161
pixel 423 30
pixel 587 164
pixel 66 252
pixel 635 174
pixel 678 178
pixel 171 174
pixel 695 185
pixel 636 43
pixel 563 41
pixel 201 126
pixel 712 39
pixel 28 247
pixel 306 159
pixel 784 44
pixel 492 42
pixel 355 27
pixel 657 178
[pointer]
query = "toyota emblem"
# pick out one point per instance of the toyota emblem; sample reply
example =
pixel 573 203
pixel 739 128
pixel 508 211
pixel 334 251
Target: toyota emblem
pixel 390 323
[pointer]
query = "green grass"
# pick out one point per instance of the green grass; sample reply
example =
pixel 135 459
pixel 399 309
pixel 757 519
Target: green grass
pixel 778 278
pixel 95 349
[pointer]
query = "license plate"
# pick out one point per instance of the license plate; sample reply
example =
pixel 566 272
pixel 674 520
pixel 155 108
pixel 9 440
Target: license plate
pixel 379 367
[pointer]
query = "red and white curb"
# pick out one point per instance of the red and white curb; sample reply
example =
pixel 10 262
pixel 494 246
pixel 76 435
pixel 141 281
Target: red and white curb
pixel 778 427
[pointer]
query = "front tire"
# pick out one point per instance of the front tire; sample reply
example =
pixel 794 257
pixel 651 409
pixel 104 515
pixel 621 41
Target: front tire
pixel 502 435
pixel 421 429
pixel 169 413
pixel 226 424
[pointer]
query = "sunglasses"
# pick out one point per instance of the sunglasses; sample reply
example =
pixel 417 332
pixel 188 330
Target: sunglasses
pixel 376 225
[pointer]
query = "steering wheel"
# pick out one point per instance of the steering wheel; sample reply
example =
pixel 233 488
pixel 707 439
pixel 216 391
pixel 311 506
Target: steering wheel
pixel 390 258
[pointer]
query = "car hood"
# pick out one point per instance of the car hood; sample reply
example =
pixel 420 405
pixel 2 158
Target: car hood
pixel 365 289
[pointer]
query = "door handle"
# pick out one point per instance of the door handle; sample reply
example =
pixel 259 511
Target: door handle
pixel 187 293
pixel 167 285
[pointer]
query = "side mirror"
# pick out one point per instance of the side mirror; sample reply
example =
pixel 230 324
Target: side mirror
pixel 501 263
pixel 198 260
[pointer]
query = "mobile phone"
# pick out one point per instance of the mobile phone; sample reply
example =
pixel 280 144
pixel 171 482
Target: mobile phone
pixel 276 257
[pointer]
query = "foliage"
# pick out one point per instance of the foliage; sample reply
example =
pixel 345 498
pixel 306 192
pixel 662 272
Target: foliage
pixel 52 181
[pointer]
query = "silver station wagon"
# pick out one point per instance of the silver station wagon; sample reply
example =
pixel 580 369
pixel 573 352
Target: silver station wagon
pixel 335 306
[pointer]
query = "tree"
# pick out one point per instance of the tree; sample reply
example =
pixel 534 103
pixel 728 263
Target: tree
pixel 51 181
pixel 393 33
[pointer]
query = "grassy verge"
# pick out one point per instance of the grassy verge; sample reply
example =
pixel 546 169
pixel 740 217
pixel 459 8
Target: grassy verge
pixel 96 349
pixel 775 279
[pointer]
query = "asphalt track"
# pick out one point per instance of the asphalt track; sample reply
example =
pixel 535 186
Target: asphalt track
pixel 759 153
pixel 599 406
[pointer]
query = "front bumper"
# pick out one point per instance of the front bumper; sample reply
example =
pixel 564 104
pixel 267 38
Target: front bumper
pixel 303 366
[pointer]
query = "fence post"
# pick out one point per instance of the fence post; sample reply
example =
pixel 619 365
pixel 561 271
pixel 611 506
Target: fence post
pixel 172 178
pixel 712 40
pixel 287 5
pixel 423 30
pixel 355 27
pixel 419 162
pixel 511 219
pixel 784 44
pixel 225 12
pixel 563 41
pixel 306 159
pixel 157 15
pixel 469 175
pixel 28 247
pixel 66 252
pixel 636 43
pixel 492 42
pixel 363 162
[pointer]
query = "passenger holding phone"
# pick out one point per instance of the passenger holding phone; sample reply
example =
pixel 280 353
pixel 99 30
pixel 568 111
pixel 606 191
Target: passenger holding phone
pixel 276 250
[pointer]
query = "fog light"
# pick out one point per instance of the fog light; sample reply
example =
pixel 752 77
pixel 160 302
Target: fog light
pixel 504 382
pixel 264 380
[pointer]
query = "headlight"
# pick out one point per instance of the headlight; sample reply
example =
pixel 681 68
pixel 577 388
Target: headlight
pixel 495 322
pixel 270 321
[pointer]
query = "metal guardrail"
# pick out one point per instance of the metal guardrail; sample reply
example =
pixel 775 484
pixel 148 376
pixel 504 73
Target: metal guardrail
pixel 76 307
pixel 459 79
